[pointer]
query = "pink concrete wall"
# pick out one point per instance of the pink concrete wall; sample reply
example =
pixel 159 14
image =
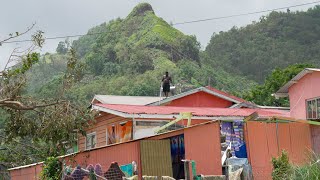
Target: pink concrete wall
pixel 202 144
pixel 306 88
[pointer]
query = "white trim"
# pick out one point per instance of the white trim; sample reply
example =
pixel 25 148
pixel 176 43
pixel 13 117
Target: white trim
pixel 114 112
pixel 274 107
pixel 220 95
pixel 280 95
pixel 28 165
pixel 85 143
pixel 316 103
pixel 122 122
pixel 153 120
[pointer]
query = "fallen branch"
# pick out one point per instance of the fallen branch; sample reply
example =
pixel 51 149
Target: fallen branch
pixel 17 105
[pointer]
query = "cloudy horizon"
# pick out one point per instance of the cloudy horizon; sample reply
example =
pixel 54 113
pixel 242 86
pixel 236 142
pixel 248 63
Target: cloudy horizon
pixel 62 18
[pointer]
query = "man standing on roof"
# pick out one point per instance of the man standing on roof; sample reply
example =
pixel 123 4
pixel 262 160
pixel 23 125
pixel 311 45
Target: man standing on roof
pixel 166 80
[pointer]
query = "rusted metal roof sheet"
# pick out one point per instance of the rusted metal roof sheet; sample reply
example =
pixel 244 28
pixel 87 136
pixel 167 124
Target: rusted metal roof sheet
pixel 127 110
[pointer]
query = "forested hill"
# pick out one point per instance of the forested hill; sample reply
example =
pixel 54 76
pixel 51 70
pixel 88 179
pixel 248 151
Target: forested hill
pixel 277 40
pixel 129 57
pixel 131 45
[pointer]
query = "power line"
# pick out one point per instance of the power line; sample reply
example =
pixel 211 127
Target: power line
pixel 245 14
pixel 175 24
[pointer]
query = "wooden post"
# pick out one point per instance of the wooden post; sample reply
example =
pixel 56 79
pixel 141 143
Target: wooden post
pixel 186 169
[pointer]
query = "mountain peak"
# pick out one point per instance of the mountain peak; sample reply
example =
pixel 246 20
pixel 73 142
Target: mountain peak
pixel 141 9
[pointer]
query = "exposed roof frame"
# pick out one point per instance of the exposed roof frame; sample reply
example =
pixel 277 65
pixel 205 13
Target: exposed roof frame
pixel 244 104
pixel 163 116
pixel 204 89
pixel 95 98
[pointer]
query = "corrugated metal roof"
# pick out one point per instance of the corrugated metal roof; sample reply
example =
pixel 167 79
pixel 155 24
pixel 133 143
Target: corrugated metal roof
pixel 207 89
pixel 129 100
pixel 196 111
pixel 283 91
pixel 225 94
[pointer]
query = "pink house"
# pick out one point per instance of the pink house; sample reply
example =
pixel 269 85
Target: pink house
pixel 304 95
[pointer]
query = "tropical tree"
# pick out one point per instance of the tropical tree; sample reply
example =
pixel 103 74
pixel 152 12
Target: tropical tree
pixel 31 122
pixel 262 94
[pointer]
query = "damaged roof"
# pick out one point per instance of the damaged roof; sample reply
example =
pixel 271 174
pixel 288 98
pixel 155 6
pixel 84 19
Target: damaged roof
pixel 132 111
pixel 131 100
pixel 207 89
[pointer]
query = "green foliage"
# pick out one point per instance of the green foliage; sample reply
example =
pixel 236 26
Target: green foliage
pixel 62 49
pixel 52 169
pixel 308 171
pixel 131 44
pixel 282 169
pixel 130 56
pixel 262 94
pixel 26 64
pixel 275 41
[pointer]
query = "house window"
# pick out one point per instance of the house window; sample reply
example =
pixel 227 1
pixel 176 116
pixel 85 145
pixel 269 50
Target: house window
pixel 313 109
pixel 91 140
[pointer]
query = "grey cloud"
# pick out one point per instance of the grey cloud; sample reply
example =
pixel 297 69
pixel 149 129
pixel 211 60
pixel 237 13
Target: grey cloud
pixel 67 17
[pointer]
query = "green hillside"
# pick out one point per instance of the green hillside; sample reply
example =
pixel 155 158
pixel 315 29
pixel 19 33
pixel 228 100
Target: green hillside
pixel 276 40
pixel 129 56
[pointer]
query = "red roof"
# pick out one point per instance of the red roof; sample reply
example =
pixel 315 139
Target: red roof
pixel 196 111
pixel 226 94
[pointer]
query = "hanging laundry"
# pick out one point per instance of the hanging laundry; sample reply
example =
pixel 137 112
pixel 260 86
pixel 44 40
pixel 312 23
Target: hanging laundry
pixel 233 131
pixel 98 169
pixel 127 169
pixel 114 172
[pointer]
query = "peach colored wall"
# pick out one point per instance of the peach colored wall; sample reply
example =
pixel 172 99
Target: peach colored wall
pixel 264 144
pixel 123 153
pixel 306 88
pixel 202 144
pixel 200 99
pixel 28 173
pixel 100 127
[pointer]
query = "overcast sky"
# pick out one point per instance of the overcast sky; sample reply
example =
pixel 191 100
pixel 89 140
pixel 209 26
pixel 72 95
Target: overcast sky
pixel 69 17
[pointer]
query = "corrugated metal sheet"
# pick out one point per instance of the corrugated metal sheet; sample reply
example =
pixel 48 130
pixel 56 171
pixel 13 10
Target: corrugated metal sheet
pixel 196 111
pixel 202 144
pixel 267 140
pixel 156 158
pixel 28 173
pixel 122 153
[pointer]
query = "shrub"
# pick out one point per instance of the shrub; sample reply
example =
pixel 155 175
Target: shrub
pixel 308 171
pixel 281 167
pixel 52 169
